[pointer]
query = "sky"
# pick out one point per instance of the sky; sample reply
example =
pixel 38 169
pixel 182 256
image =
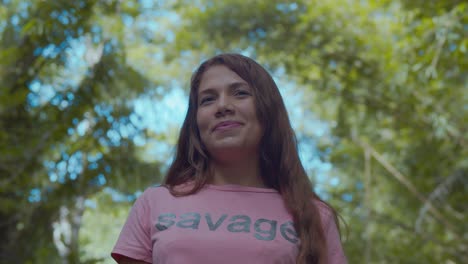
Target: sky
pixel 166 115
pixel 163 115
pixel 170 112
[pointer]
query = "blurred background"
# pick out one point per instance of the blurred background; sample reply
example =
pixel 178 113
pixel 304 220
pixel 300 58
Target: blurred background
pixel 93 93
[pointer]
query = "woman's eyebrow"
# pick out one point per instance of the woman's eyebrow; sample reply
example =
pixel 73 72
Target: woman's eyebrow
pixel 235 85
pixel 208 91
pixel 231 86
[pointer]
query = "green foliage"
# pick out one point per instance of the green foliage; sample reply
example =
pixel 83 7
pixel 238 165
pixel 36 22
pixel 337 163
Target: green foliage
pixel 389 77
pixel 107 218
pixel 68 128
pixel 394 77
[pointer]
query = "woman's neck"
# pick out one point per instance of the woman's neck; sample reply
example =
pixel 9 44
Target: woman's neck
pixel 244 172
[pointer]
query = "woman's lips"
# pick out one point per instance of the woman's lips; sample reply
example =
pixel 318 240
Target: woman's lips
pixel 226 126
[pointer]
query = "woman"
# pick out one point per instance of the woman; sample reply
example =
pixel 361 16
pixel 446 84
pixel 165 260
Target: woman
pixel 236 191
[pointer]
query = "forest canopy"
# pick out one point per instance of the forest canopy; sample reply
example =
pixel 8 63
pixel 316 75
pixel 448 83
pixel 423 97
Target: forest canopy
pixel 90 91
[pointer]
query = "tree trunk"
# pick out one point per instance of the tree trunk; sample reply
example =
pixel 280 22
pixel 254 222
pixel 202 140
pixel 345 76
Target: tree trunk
pixel 66 231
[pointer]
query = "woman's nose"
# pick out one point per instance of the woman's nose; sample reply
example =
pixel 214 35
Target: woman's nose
pixel 224 104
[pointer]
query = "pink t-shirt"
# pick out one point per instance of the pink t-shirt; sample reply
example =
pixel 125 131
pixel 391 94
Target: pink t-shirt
pixel 219 224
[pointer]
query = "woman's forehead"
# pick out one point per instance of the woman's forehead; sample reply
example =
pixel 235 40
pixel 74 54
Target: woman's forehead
pixel 220 76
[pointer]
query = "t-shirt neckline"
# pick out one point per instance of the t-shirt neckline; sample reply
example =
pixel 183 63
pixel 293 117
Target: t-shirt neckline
pixel 239 188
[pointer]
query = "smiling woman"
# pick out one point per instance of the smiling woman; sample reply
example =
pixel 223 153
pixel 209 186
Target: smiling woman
pixel 228 127
pixel 236 191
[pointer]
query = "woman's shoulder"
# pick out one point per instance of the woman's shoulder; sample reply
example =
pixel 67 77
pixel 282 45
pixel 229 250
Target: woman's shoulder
pixel 162 190
pixel 154 191
pixel 327 213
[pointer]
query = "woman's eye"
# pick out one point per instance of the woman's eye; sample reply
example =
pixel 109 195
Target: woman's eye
pixel 206 100
pixel 242 93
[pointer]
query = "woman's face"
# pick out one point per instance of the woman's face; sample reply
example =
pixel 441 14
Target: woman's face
pixel 226 115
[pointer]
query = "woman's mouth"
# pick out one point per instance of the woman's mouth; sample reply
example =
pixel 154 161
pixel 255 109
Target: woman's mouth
pixel 226 126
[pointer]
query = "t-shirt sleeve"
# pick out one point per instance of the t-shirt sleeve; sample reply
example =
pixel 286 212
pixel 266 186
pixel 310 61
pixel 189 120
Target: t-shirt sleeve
pixel 335 250
pixel 135 238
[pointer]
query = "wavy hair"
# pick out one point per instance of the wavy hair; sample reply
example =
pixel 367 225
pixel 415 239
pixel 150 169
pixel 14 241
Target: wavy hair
pixel 280 166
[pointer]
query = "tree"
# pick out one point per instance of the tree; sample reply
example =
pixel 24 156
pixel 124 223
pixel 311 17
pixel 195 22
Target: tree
pixel 392 75
pixel 67 124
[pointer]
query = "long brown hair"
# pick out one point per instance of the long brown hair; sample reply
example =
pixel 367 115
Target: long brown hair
pixel 280 165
